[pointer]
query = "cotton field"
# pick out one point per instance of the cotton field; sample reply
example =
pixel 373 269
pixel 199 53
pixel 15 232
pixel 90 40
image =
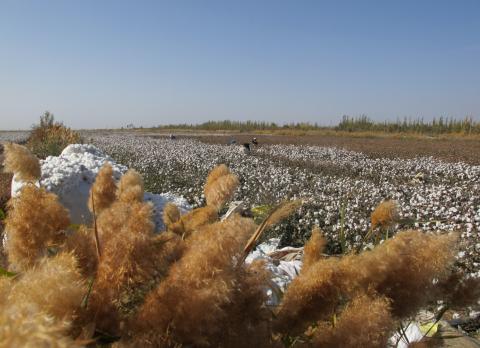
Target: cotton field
pixel 433 195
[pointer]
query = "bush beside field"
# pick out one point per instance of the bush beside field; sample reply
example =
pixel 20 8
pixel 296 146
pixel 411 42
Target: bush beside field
pixel 49 137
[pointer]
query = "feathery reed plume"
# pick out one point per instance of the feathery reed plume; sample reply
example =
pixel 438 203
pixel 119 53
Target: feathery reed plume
pixel 23 326
pixel 20 161
pixel 103 190
pixel 216 173
pixel 313 248
pixel 220 186
pixel 130 265
pixel 248 323
pixel 171 214
pixel 130 187
pixel 385 214
pixel 35 220
pixel 5 286
pixel 82 244
pixel 401 269
pixel 194 220
pixel 277 214
pixel 54 286
pixel 39 306
pixel 365 322
pixel 188 306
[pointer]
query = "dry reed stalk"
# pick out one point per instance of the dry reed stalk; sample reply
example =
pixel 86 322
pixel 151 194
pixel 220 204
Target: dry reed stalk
pixel 277 214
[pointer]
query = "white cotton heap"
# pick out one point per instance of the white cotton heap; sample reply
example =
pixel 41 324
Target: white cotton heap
pixel 71 175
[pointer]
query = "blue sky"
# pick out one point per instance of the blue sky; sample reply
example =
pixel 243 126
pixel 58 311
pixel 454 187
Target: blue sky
pixel 109 63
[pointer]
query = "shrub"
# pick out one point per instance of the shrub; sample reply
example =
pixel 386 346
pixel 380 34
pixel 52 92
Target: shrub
pixel 49 138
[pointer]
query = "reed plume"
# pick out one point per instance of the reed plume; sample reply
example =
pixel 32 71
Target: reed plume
pixel 365 323
pixel 23 326
pixel 127 260
pixel 313 249
pixel 220 186
pixel 171 214
pixel 82 244
pixel 38 308
pixel 130 187
pixel 194 221
pixel 402 269
pixel 103 190
pixel 55 286
pixel 188 306
pixel 35 220
pixel 20 161
pixel 385 214
pixel 277 214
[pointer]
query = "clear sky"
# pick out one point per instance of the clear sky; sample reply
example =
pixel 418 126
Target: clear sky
pixel 110 63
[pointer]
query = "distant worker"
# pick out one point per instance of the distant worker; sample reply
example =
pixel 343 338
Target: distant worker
pixel 246 148
pixel 172 137
pixel 254 141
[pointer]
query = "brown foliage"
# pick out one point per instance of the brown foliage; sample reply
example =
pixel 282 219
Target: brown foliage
pixel 35 220
pixel 20 161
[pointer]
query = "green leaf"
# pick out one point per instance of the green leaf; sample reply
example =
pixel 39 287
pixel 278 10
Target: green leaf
pixel 87 295
pixel 5 273
pixel 74 227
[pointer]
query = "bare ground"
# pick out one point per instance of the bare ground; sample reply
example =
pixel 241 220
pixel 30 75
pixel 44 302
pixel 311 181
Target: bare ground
pixel 450 150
